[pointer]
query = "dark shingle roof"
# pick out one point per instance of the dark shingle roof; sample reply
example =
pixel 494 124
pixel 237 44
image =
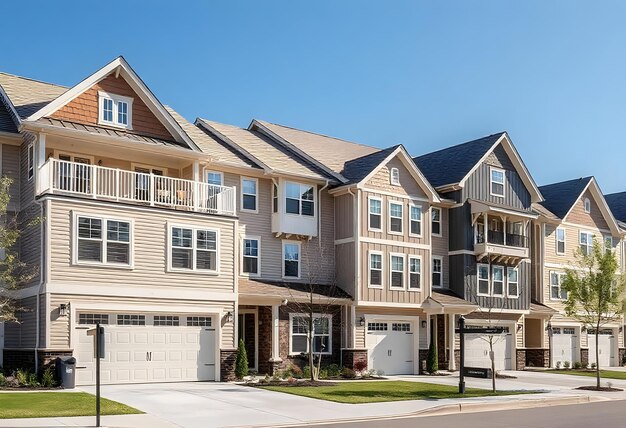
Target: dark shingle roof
pixel 7 124
pixel 357 169
pixel 617 204
pixel 560 197
pixel 451 165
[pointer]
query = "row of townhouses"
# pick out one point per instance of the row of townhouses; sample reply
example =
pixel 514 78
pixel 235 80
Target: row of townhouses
pixel 181 238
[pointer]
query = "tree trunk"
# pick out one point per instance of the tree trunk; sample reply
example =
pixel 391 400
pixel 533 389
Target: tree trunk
pixel 311 361
pixel 597 355
pixel 493 365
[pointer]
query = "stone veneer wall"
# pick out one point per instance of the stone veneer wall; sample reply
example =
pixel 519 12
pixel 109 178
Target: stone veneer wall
pixel 423 356
pixel 228 358
pixel 622 357
pixel 520 359
pixel 584 357
pixel 349 357
pixel 537 357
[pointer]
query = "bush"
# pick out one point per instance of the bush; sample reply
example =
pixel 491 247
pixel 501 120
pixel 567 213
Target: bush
pixel 348 373
pixel 292 381
pixel 432 364
pixel 47 378
pixel 593 366
pixel 372 372
pixel 360 366
pixel 3 380
pixel 306 373
pixel 241 364
pixel 380 373
pixel 333 370
pixel 21 377
pixel 33 382
pixel 558 365
pixel 323 373
pixel 566 365
pixel 577 365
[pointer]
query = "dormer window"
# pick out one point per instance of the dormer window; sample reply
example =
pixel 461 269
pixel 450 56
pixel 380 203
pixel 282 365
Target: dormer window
pixel 115 110
pixel 394 176
pixel 587 204
pixel 497 182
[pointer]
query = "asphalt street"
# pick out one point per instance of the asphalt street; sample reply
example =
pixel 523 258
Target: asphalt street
pixel 607 414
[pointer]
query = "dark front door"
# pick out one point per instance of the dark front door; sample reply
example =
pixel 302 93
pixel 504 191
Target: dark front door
pixel 248 332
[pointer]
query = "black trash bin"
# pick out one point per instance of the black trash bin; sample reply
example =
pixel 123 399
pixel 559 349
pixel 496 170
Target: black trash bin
pixel 66 371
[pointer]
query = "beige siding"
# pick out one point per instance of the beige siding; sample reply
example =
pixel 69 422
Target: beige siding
pixel 23 333
pixel 345 273
pixel 595 219
pixel 408 185
pixel 31 222
pixel 344 216
pixel 11 169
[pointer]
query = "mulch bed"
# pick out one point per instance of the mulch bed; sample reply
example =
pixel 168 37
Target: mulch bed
pixel 602 388
pixel 505 376
pixel 293 384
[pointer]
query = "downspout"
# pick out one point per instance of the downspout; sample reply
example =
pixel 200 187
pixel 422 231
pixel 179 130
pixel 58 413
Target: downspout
pixel 355 231
pixel 319 216
pixel 41 283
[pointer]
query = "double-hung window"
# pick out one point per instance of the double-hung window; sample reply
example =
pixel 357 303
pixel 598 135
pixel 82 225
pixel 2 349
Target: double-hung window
pixel 586 242
pixel 115 110
pixel 560 241
pixel 249 194
pixel 415 273
pixel 435 222
pixel 416 220
pixel 512 282
pixel 396 271
pixel 299 199
pixel 251 255
pixel 376 270
pixel 497 182
pixel 608 243
pixel 395 217
pixel 214 178
pixel 483 280
pixel 497 273
pixel 556 293
pixel 375 213
pixel 193 249
pixel 299 337
pixel 437 272
pixel 103 241
pixel 291 259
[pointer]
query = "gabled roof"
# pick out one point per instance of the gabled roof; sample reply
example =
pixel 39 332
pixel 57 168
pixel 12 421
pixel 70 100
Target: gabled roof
pixel 356 170
pixel 617 203
pixel 452 166
pixel 27 95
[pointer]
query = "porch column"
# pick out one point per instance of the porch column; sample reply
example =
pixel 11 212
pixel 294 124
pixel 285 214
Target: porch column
pixel 504 229
pixel 486 237
pixel 39 152
pixel 275 334
pixel 451 362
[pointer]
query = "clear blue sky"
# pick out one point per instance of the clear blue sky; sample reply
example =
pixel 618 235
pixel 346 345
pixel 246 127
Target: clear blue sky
pixel 424 74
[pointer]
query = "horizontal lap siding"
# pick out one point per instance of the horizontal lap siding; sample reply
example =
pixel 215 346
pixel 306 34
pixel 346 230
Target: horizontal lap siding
pixel 11 169
pixel 23 334
pixel 150 249
pixel 27 187
pixel 31 221
pixel 594 219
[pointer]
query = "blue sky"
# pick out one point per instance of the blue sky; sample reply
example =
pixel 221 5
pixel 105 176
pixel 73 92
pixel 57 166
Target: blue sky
pixel 424 74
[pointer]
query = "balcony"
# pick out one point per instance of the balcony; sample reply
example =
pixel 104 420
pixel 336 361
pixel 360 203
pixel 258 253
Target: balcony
pixel 505 245
pixel 112 184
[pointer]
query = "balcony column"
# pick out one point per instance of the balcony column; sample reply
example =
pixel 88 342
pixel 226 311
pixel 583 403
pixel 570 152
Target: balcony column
pixel 275 334
pixel 196 186
pixel 451 336
pixel 504 230
pixel 485 228
pixel 40 158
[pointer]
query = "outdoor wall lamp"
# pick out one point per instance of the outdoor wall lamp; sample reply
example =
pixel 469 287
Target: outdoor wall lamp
pixel 424 323
pixel 519 328
pixel 621 328
pixel 362 321
pixel 64 309
pixel 229 316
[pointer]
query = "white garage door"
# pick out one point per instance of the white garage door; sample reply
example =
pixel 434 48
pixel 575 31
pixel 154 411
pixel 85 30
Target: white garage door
pixel 564 345
pixel 147 348
pixel 606 345
pixel 477 351
pixel 391 346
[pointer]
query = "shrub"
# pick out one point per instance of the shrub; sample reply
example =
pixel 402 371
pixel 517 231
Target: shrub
pixel 566 365
pixel 3 380
pixel 21 377
pixel 333 370
pixel 241 364
pixel 360 366
pixel 306 373
pixel 323 373
pixel 292 381
pixel 296 372
pixel 558 365
pixel 380 373
pixel 432 364
pixel 32 380
pixel 47 378
pixel 348 373
pixel 593 366
pixel 372 372
pixel 577 365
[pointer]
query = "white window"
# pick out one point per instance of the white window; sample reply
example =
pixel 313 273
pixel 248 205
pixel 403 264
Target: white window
pixel 483 280
pixel 395 217
pixel 437 272
pixel 215 178
pixel 376 326
pixel 394 176
pixel 560 240
pixel 166 320
pixel 375 213
pixel 497 182
pixel 131 319
pixel 415 212
pixel 498 280
pixel 193 249
pixel 376 270
pixel 512 282
pixel 299 333
pixel 93 319
pixel 396 271
pixel 115 110
pixel 249 193
pixel 194 321
pixel 587 205
pixel 31 160
pixel 299 199
pixel 415 273
pixel 102 241
pixel 435 222
pixel 556 293
pixel 586 242
pixel 608 243
pixel 251 254
pixel 291 259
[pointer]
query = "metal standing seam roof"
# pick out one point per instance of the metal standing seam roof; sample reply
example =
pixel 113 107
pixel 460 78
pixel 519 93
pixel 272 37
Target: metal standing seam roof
pixel 28 95
pixel 290 290
pixel 617 204
pixel 560 197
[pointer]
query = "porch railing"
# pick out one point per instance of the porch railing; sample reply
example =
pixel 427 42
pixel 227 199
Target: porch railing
pixel 498 238
pixel 57 176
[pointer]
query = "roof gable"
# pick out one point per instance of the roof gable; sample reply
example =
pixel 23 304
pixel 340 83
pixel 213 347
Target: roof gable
pixel 25 95
pixel 617 203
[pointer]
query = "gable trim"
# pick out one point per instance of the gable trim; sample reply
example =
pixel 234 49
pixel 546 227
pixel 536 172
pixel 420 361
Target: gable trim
pixel 597 195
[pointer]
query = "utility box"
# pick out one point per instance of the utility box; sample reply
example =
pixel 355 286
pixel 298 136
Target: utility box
pixel 66 371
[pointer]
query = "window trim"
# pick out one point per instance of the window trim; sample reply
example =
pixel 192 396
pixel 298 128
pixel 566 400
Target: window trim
pixel 300 215
pixel 389 204
pixel 432 269
pixel 258 257
pixel 420 220
pixel 493 169
pixel 492 282
pixel 560 275
pixel 556 241
pixel 282 262
pixel 420 286
pixel 589 244
pixel 394 176
pixel 104 222
pixel 220 173
pixel 440 221
pixel 508 295
pixel 315 315
pixel 587 205
pixel 256 196
pixel 30 165
pixel 369 269
pixel 116 99
pixel 194 269
pixel 391 271
pixel 604 239
pixel 369 213
pixel 478 293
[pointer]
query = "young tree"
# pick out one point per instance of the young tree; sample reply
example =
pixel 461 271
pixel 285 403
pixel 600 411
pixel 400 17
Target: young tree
pixel 432 363
pixel 241 363
pixel 595 291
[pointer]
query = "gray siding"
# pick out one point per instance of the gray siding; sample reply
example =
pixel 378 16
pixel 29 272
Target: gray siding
pixel 11 169
pixel 23 333
pixel 461 230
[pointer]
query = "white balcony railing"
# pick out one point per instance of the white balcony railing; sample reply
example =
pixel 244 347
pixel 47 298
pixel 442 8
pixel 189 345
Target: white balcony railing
pixel 57 176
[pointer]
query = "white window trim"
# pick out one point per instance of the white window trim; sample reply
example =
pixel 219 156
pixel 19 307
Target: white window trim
pixel 284 194
pixel 507 283
pixel 432 265
pixel 104 220
pixel 556 241
pixel 369 269
pixel 116 98
pixel 421 220
pixel 421 273
pixel 193 269
pixel 440 221
pixel 587 203
pixel 492 287
pixel 589 234
pixel 491 170
pixel 391 271
pixel 221 174
pixel 316 315
pixel 282 260
pixel 256 199
pixel 478 293
pixel 258 257
pixel 392 179
pixel 604 239
pixel 30 165
pixel 560 275
pixel 382 214
pixel 389 204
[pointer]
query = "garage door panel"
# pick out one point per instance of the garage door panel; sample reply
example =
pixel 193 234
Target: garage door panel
pixel 606 343
pixel 477 351
pixel 390 350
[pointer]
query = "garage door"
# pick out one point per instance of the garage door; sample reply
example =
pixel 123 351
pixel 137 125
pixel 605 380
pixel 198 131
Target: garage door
pixel 564 345
pixel 477 351
pixel 606 346
pixel 142 348
pixel 390 346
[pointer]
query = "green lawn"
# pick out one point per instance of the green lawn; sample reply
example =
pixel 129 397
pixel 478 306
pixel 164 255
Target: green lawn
pixel 51 404
pixel 608 374
pixel 378 391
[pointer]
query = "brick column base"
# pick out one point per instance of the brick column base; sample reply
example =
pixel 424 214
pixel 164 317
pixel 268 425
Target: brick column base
pixel 537 358
pixel 622 357
pixel 584 357
pixel 24 359
pixel 228 357
pixel 520 359
pixel 423 356
pixel 350 357
pixel 457 359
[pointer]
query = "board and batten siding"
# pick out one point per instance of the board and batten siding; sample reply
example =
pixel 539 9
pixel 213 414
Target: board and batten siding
pixel 344 216
pixel 345 271
pixel 441 243
pixel 23 334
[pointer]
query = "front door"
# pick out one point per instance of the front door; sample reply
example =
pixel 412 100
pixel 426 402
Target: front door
pixel 247 329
